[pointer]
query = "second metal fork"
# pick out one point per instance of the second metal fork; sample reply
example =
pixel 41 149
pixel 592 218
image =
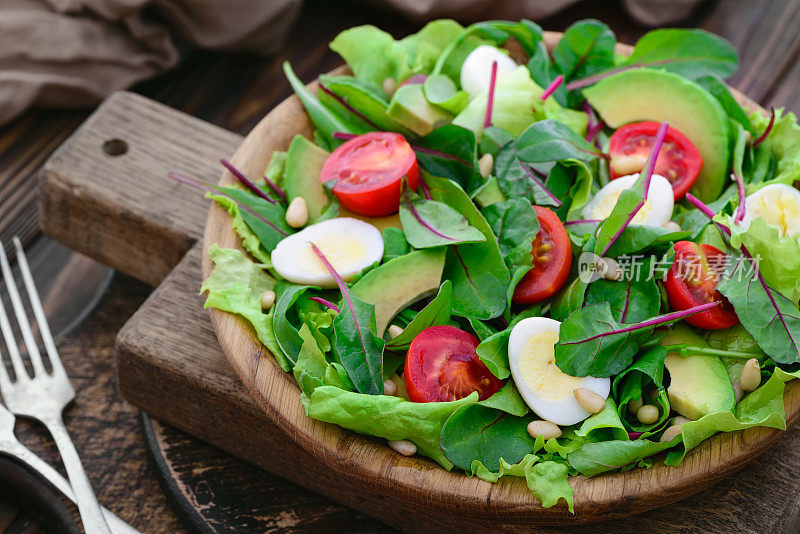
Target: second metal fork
pixel 44 395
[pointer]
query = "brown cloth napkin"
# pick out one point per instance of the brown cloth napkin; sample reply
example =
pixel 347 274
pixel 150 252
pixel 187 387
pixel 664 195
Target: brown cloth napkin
pixel 73 53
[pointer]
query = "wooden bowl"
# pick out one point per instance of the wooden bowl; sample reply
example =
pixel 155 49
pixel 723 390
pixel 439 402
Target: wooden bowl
pixel 415 493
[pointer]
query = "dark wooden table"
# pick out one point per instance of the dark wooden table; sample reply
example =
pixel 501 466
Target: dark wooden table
pixel 234 91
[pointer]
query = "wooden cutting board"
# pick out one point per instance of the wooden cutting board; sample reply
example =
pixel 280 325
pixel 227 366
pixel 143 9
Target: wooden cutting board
pixel 121 209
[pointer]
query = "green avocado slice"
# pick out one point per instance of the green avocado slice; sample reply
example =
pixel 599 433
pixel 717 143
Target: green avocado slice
pixel 304 161
pixel 658 95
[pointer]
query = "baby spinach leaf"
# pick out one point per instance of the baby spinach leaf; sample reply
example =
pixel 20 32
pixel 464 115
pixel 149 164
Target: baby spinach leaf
pixel 326 121
pixel 483 330
pixel 357 102
pixel 480 433
pixel 493 352
pixel 586 48
pixel 479 274
pixel 394 243
pixel 594 458
pixel 720 91
pixel 267 221
pixel 569 299
pixel 311 366
pixel 513 221
pixel 387 417
pixel 630 384
pixel 691 53
pixel 428 223
pixel 543 72
pixel 494 138
pixel 437 312
pixel 632 299
pixel 517 179
pixel 604 425
pixel 250 240
pixel 507 400
pixel 550 140
pixel 450 152
pixel 772 319
pixel 286 332
pixel 637 238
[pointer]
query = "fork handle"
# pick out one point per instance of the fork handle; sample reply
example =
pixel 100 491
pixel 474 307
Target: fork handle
pixel 89 508
pixel 16 450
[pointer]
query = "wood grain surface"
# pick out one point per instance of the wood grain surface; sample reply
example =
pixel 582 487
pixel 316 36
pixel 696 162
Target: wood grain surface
pixel 234 91
pixel 416 485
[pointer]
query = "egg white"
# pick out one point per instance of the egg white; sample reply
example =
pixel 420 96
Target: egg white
pixel 476 71
pixel 547 390
pixel 350 245
pixel 657 210
pixel 778 205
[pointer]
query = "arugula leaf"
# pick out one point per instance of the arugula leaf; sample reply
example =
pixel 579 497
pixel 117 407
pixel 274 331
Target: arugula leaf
pixel 326 121
pixel 632 299
pixel 591 342
pixel 691 53
pixel 387 417
pixel 450 152
pixel 356 346
pixel 235 286
pixel 630 201
pixel 485 434
pixel 514 222
pixel 772 319
pixel 428 223
pixel 394 243
pixel 437 312
pixel 586 48
pixel 479 274
pixel 550 140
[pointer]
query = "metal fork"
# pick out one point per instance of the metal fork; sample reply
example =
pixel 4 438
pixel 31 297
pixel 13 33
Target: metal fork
pixel 44 395
pixel 10 446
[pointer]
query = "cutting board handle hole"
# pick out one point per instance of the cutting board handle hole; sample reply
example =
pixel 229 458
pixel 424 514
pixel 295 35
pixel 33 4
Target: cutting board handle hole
pixel 115 147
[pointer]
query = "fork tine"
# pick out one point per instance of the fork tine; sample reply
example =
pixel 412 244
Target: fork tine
pixel 38 310
pixel 22 318
pixel 13 352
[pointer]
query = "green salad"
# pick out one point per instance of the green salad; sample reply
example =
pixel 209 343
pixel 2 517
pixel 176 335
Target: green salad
pixel 522 262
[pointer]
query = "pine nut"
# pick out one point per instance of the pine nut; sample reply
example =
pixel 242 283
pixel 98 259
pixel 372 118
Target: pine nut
pixel 395 331
pixel 297 213
pixel 589 400
pixel 672 226
pixel 679 420
pixel 610 269
pixel 670 433
pixel 647 414
pixel 267 299
pixel 625 165
pixel 404 447
pixel 546 429
pixel 389 388
pixel 750 378
pixel 738 393
pixel 389 86
pixel 485 165
pixel 635 404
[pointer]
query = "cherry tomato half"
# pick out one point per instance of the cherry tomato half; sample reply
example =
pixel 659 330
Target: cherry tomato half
pixel 442 365
pixel 368 170
pixel 692 281
pixel 678 161
pixel 552 260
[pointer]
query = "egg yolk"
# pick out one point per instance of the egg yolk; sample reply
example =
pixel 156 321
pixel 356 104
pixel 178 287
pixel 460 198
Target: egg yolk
pixel 602 209
pixel 537 364
pixel 342 251
pixel 778 210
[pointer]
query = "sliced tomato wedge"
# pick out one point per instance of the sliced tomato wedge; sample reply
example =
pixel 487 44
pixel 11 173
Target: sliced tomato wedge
pixel 692 281
pixel 552 260
pixel 442 365
pixel 678 161
pixel 369 170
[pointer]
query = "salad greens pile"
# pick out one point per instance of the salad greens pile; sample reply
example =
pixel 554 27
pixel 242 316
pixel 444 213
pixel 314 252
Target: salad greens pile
pixel 474 231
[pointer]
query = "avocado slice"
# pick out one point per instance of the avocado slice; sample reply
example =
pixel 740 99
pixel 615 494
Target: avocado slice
pixel 398 283
pixel 304 161
pixel 489 194
pixel 658 95
pixel 700 384
pixel 410 108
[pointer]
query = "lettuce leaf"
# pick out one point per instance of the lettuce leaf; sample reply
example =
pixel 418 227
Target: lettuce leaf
pixel 373 55
pixel 784 141
pixel 235 286
pixel 547 480
pixel 250 241
pixel 387 417
pixel 780 257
